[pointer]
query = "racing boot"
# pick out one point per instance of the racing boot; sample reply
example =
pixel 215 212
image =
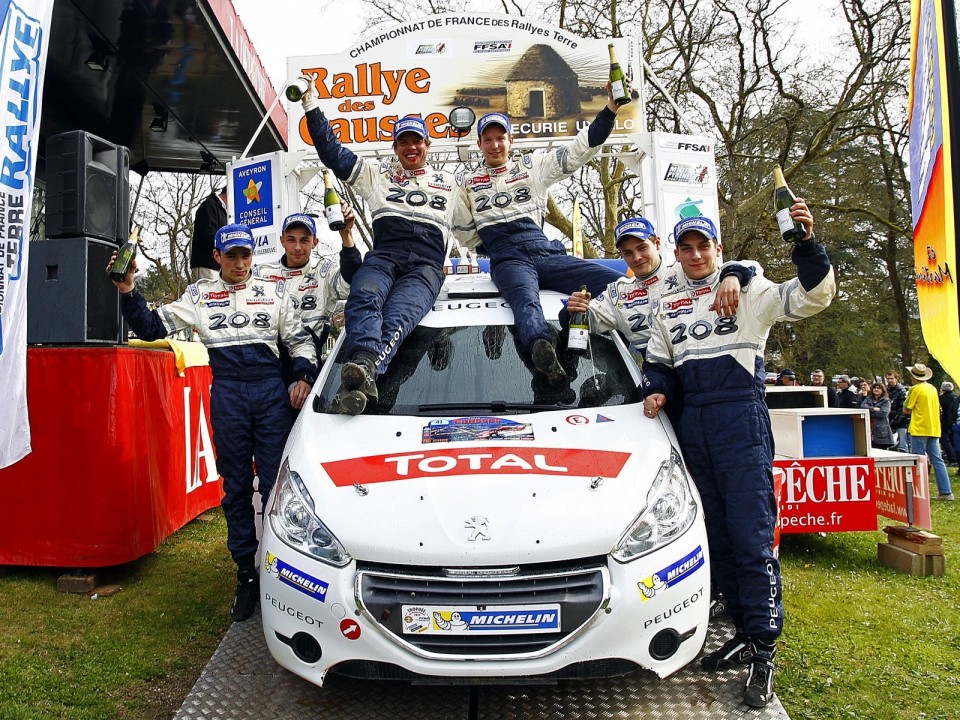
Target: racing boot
pixel 738 650
pixel 248 594
pixel 545 361
pixel 361 374
pixel 758 691
pixel 349 402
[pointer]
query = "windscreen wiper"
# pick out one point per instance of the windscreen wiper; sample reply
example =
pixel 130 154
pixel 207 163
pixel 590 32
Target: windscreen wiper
pixel 496 406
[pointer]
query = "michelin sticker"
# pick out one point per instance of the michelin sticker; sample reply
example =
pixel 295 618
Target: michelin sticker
pixel 476 428
pixel 513 620
pixel 297 579
pixel 672 574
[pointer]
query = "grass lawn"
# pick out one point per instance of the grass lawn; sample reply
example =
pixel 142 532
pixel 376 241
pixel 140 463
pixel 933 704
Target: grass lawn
pixel 861 640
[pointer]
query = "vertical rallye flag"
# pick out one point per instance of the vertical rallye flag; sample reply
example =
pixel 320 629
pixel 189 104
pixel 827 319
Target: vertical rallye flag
pixel 24 37
pixel 934 87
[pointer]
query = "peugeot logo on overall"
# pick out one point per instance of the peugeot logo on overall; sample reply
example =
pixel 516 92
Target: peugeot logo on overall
pixel 480 527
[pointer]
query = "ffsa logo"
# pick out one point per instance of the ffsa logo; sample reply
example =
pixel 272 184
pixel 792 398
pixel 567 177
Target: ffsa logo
pixel 693 147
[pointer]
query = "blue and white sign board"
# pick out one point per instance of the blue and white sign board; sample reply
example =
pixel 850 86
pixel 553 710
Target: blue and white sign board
pixel 257 198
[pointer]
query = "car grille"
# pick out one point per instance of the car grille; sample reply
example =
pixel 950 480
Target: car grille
pixel 589 670
pixel 580 591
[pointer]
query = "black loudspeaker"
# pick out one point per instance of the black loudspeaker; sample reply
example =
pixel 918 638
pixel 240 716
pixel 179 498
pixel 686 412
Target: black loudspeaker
pixel 70 299
pixel 88 187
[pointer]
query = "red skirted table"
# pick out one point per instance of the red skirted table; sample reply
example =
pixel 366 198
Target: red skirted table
pixel 122 457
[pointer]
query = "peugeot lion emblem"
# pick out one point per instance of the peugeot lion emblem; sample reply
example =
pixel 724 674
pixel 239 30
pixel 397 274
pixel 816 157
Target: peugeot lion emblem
pixel 479 526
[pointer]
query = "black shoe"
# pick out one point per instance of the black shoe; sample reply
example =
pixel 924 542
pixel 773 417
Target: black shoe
pixel 352 402
pixel 758 691
pixel 361 374
pixel 545 361
pixel 248 595
pixel 718 606
pixel 738 650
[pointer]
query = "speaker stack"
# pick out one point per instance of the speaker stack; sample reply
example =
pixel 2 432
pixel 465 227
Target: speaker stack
pixel 70 300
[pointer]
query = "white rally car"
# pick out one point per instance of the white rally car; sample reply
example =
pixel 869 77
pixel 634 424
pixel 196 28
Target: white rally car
pixel 477 523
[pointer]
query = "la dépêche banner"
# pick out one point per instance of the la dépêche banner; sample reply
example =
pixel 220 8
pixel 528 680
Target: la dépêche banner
pixel 24 38
pixel 549 82
pixel 931 184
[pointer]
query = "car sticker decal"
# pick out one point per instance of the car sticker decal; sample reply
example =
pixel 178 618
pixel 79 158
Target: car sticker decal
pixel 476 428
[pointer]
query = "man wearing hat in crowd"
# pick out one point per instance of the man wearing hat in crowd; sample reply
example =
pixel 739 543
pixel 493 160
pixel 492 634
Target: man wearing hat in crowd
pixel 315 283
pixel 413 207
pixel 786 378
pixel 948 412
pixel 846 398
pixel 239 317
pixel 626 303
pixel 507 199
pixel 923 408
pixel 715 364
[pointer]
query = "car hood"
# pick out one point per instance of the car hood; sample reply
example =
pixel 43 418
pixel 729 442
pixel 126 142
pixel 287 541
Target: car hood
pixel 479 491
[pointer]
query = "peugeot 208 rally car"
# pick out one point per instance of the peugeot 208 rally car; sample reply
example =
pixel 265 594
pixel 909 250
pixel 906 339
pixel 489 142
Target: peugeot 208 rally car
pixel 478 523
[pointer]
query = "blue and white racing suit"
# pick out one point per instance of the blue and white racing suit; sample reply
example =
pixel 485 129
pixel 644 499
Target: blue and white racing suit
pixel 724 428
pixel 249 404
pixel 413 213
pixel 508 205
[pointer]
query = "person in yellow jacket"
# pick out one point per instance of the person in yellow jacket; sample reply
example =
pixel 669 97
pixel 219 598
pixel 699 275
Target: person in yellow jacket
pixel 923 407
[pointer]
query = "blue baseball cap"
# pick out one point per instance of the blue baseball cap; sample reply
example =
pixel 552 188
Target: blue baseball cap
pixel 409 124
pixel 300 219
pixel 638 227
pixel 233 236
pixel 494 118
pixel 697 223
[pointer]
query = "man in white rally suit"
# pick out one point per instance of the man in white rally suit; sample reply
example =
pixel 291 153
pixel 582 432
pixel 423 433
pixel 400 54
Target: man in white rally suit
pixel 507 198
pixel 413 207
pixel 315 283
pixel 716 364
pixel 626 304
pixel 238 317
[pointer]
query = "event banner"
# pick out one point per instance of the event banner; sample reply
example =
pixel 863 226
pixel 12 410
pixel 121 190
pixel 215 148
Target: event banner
pixel 24 37
pixel 827 495
pixel 685 182
pixel 551 83
pixel 931 181
pixel 257 197
pixel 891 491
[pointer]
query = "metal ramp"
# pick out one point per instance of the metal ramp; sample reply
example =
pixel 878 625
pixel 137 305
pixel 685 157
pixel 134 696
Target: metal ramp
pixel 242 681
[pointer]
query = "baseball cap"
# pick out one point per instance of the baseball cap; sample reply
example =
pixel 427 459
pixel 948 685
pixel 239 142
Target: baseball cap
pixel 697 223
pixel 638 227
pixel 233 236
pixel 786 372
pixel 300 219
pixel 494 118
pixel 409 124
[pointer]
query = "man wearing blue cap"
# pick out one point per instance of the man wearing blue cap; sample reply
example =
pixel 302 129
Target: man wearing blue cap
pixel 507 198
pixel 238 317
pixel 315 283
pixel 413 207
pixel 626 303
pixel 715 364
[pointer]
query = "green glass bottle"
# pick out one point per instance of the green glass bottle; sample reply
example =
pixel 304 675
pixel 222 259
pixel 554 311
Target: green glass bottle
pixel 125 256
pixel 332 209
pixel 783 200
pixel 621 96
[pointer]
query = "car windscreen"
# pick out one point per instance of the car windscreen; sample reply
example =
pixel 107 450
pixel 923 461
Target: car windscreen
pixel 478 369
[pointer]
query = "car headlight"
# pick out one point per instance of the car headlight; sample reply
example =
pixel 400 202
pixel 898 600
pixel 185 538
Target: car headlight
pixel 670 511
pixel 294 520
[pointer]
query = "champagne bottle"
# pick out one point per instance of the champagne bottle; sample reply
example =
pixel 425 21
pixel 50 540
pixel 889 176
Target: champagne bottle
pixel 463 265
pixel 297 88
pixel 621 96
pixel 448 266
pixel 578 338
pixel 783 200
pixel 125 256
pixel 331 204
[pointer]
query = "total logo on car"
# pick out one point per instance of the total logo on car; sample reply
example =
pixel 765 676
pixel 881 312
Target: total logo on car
pixel 478 523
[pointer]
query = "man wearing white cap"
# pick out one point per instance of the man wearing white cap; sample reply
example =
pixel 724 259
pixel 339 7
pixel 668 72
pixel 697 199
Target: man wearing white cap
pixel 413 207
pixel 923 407
pixel 715 364
pixel 239 318
pixel 507 198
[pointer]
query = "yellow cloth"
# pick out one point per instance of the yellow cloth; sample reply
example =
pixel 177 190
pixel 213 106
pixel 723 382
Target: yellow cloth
pixel 924 406
pixel 185 354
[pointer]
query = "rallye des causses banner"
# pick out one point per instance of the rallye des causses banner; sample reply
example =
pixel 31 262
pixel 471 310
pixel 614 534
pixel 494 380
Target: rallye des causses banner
pixel 549 82
pixel 931 182
pixel 24 37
